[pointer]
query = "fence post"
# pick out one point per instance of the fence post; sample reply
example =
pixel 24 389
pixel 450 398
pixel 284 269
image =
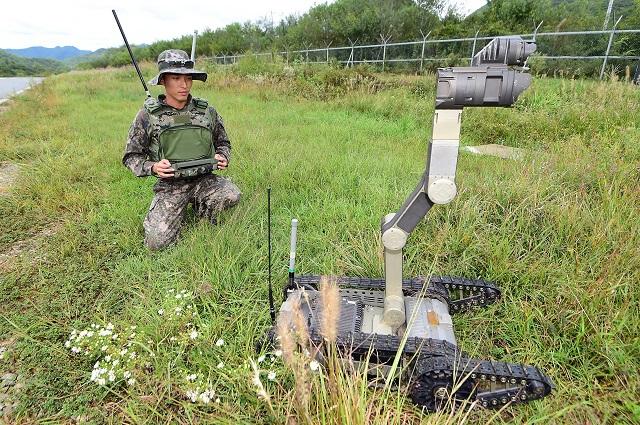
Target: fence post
pixel 535 31
pixel 473 49
pixel 328 45
pixel 385 40
pixel 424 43
pixel 606 54
pixel 307 46
pixel 607 15
pixel 351 56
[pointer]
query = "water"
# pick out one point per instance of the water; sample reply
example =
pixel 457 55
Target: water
pixel 11 85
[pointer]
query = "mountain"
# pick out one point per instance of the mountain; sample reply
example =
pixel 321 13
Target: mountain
pixel 58 52
pixel 16 66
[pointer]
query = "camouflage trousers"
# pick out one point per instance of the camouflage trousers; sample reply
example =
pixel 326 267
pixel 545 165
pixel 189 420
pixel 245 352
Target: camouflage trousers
pixel 208 194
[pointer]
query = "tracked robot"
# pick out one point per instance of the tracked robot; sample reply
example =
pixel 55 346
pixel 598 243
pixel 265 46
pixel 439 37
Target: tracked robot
pixel 386 317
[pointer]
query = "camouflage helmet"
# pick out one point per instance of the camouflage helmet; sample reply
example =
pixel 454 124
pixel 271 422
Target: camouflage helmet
pixel 175 61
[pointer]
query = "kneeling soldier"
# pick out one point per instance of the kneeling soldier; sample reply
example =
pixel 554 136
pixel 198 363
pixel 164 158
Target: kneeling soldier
pixel 180 139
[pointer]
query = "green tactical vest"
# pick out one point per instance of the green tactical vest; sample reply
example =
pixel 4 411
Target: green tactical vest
pixel 179 136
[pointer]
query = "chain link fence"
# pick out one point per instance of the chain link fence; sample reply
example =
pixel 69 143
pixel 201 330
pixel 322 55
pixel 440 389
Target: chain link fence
pixel 568 53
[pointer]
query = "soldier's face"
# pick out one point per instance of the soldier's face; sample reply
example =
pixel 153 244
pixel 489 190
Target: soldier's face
pixel 177 86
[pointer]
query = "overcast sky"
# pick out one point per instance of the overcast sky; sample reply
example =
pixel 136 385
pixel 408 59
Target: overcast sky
pixel 89 24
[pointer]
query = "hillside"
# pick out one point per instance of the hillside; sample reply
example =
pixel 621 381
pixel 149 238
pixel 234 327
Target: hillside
pixel 517 16
pixel 16 66
pixel 58 53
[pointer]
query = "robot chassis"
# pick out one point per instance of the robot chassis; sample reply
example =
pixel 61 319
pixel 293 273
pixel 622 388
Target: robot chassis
pixel 380 317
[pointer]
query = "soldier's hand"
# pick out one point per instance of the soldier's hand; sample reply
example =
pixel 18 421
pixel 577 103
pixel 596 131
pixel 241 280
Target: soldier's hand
pixel 163 169
pixel 222 161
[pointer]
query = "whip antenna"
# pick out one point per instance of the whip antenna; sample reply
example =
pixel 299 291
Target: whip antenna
pixel 272 309
pixel 133 59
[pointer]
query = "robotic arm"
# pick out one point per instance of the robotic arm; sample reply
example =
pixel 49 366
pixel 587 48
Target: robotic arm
pixel 496 78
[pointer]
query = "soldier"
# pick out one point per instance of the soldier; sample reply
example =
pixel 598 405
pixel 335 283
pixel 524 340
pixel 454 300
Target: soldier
pixel 173 127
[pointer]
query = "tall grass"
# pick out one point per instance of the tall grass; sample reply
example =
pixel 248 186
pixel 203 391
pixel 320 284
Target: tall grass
pixel 559 231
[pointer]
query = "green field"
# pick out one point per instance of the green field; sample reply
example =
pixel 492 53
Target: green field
pixel 559 232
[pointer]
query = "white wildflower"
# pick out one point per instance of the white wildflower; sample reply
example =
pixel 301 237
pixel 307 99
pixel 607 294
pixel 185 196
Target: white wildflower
pixel 131 381
pixel 220 365
pixel 75 350
pixel 161 312
pixel 193 396
pixel 271 376
pixel 261 358
pixel 133 328
pixel 193 334
pixel 96 373
pixel 218 400
pixel 314 365
pixel 178 296
pixel 101 381
pixel 83 334
pixel 112 375
pixel 104 348
pixel 278 353
pixel 66 344
pixel 123 351
pixel 126 374
pixel 132 355
pixel 220 342
pixel 110 326
pixel 115 362
pixel 173 339
pixel 107 358
pixel 192 377
pixel 204 397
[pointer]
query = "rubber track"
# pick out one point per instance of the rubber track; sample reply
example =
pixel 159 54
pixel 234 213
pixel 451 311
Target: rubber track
pixel 438 359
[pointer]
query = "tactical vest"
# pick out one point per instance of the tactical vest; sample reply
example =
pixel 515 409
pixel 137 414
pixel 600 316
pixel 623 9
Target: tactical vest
pixel 180 136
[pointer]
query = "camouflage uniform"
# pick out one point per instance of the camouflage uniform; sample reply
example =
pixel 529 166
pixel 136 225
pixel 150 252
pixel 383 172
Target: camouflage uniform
pixel 209 194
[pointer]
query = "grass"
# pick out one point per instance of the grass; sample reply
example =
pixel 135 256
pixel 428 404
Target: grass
pixel 559 231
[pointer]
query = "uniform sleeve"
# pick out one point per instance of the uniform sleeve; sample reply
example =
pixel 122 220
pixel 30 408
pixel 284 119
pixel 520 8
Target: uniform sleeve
pixel 136 153
pixel 221 141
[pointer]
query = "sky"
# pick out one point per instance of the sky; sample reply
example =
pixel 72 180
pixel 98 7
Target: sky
pixel 89 24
